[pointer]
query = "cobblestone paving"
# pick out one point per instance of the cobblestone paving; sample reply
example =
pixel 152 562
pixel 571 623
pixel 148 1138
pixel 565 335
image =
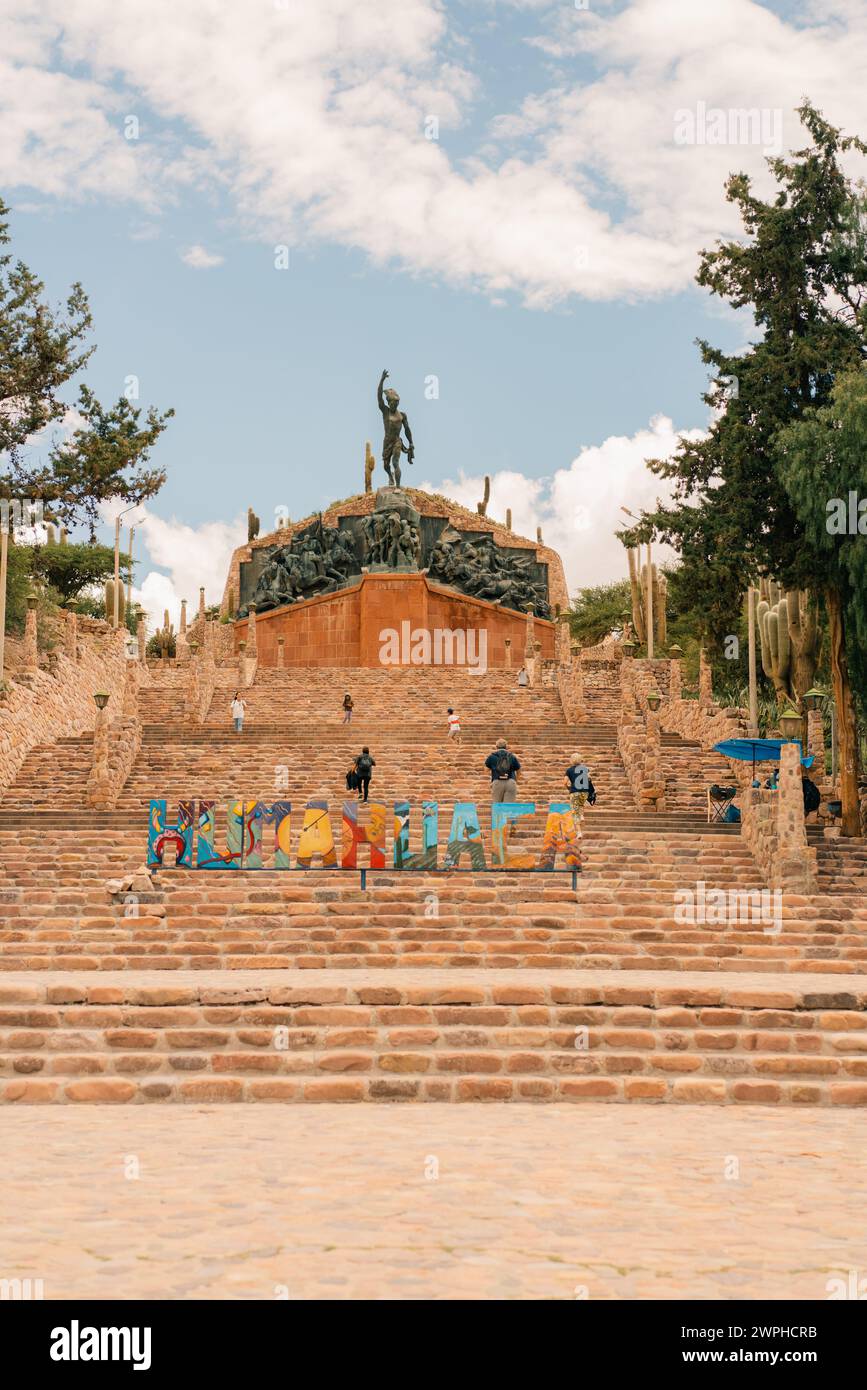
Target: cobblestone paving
pixel 471 1201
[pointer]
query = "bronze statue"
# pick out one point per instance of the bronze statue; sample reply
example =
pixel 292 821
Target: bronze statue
pixel 394 421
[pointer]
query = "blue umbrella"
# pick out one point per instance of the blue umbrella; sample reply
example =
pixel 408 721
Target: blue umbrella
pixel 758 750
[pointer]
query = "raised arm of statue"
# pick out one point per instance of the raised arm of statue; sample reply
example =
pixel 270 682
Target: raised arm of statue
pixel 380 399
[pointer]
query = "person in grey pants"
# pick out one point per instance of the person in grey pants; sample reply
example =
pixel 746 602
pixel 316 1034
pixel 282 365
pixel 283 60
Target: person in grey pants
pixel 504 768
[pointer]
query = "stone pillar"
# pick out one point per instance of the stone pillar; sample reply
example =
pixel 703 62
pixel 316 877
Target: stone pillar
pixel 202 606
pixel 252 645
pixel 531 632
pixel 654 786
pixel 141 638
pixel 99 782
pixel 70 636
pixel 30 655
pixel 242 663
pixel 130 689
pixel 281 653
pixel 183 615
pixel 816 743
pixel 508 657
pixel 675 679
pixel 194 689
pixel 564 640
pixel 705 681
pixel 793 870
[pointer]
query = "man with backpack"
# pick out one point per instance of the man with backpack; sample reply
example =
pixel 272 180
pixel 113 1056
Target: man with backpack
pixel 364 765
pixel 581 789
pixel 504 768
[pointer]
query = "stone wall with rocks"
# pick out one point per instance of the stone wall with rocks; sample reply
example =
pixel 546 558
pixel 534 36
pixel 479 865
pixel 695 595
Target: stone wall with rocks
pixel 774 829
pixel 41 706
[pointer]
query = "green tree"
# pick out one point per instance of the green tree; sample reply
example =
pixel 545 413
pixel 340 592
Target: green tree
pixel 800 268
pixel 596 612
pixel 823 463
pixel 68 569
pixel 41 351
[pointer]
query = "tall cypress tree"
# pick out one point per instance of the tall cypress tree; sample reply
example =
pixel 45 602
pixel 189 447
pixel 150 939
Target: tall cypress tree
pixel 802 270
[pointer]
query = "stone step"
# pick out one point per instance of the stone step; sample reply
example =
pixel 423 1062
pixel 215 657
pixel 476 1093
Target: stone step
pixel 422 1036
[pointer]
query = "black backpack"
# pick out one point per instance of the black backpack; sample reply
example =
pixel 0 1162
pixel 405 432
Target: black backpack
pixel 364 766
pixel 812 799
pixel 503 765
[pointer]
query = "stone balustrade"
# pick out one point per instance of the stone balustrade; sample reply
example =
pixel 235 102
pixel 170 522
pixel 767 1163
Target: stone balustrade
pixel 48 705
pixel 116 744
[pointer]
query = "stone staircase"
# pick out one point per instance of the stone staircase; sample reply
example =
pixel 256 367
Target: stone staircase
pixel 299 986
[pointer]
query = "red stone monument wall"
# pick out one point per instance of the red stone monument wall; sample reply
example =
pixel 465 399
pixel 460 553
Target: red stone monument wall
pixel 344 629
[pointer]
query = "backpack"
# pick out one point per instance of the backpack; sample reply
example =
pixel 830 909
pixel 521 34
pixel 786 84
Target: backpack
pixel 812 799
pixel 364 765
pixel 503 765
pixel 591 793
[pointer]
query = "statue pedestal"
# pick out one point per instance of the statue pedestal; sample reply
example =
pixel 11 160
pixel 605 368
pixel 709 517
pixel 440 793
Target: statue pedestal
pixel 394 499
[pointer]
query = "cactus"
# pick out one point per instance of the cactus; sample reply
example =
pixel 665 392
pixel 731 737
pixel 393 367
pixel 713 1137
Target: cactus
pixel 63 535
pixel 252 525
pixel 109 601
pixel 790 639
pixel 51 538
pixel 482 507
pixel 369 465
pixel 508 518
pixel 638 588
pixel 538 535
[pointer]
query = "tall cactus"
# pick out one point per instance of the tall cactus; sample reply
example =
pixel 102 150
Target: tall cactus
pixel 109 601
pixel 482 507
pixel 638 589
pixel 253 524
pixel 790 639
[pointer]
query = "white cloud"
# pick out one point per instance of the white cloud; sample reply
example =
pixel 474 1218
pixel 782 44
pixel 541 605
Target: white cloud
pixel 200 259
pixel 579 507
pixel 312 118
pixel 194 556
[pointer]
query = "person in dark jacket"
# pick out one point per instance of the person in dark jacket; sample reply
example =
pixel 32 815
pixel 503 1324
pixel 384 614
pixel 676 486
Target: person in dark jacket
pixel 504 768
pixel 364 765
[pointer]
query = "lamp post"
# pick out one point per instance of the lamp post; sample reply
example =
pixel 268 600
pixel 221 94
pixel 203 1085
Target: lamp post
pixel 4 559
pixel 754 692
pixel 116 615
pixel 648 599
pixel 653 701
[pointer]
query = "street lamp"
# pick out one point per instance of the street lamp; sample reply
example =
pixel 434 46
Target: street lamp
pixel 675 652
pixel 813 698
pixel 101 699
pixel 790 723
pixel 116 615
pixel 653 700
pixel 648 602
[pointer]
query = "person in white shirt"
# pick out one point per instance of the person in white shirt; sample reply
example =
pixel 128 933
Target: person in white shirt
pixel 523 678
pixel 238 707
pixel 454 726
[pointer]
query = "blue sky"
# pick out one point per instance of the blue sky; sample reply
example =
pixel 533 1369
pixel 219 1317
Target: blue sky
pixel 537 258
